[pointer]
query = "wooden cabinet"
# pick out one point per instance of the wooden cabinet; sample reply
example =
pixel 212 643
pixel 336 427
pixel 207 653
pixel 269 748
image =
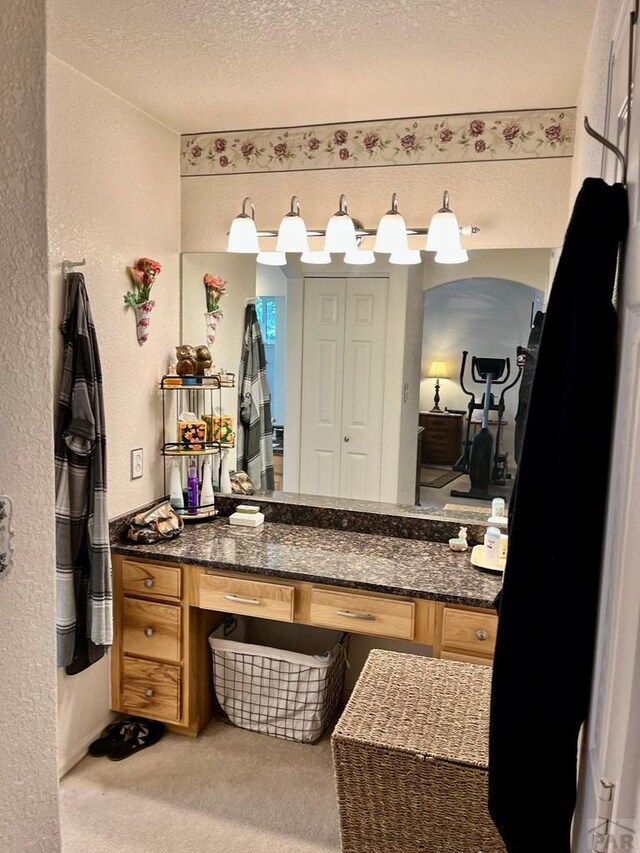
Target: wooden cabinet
pixel 164 614
pixel 442 438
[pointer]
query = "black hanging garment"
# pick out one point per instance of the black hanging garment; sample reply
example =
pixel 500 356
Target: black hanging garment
pixel 526 382
pixel 548 606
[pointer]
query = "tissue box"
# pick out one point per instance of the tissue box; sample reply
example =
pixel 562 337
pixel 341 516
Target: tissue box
pixel 192 432
pixel 220 429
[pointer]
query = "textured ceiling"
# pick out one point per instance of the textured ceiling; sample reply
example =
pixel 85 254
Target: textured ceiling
pixel 201 65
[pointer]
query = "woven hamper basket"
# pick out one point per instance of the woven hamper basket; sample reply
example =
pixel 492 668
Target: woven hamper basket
pixel 410 757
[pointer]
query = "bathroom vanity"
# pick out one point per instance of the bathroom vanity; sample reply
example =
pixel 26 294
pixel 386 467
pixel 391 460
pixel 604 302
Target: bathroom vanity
pixel 168 597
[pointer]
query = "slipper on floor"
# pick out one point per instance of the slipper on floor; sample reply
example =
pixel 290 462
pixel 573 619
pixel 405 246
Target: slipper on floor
pixel 110 735
pixel 137 736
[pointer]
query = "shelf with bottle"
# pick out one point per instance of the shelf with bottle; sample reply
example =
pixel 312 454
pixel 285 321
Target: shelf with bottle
pixel 172 448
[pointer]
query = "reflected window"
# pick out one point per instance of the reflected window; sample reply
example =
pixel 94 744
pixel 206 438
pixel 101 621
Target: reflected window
pixel 266 311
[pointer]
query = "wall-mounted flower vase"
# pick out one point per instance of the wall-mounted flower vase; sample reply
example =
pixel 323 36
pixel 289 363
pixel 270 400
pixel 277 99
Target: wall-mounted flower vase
pixel 6 534
pixel 142 276
pixel 143 320
pixel 212 318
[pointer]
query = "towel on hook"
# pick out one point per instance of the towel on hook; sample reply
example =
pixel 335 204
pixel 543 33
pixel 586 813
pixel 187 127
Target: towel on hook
pixel 83 558
pixel 255 430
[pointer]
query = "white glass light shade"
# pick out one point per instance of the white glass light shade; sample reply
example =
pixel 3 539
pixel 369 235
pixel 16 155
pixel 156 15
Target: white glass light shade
pixel 272 259
pixel 292 234
pixel 444 232
pixel 391 235
pixel 243 237
pixel 340 236
pixel 316 258
pixel 452 256
pixel 360 257
pixel 405 258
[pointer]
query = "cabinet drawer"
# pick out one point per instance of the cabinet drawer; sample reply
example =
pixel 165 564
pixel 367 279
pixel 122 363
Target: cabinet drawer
pixel 151 689
pixel 151 581
pixel 466 658
pixel 247 597
pixel 150 629
pixel 469 631
pixel 363 614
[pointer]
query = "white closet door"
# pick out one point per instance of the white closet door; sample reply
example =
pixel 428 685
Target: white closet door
pixel 363 388
pixel 322 365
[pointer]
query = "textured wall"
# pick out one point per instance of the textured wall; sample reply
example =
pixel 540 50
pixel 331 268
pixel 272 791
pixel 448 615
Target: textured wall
pixel 516 205
pixel 112 205
pixel 28 784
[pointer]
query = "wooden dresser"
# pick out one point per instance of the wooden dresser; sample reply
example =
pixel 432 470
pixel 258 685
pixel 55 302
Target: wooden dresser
pixel 442 438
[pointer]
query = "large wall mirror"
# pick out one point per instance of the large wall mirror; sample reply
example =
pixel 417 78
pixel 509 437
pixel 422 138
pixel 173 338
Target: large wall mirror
pixel 372 397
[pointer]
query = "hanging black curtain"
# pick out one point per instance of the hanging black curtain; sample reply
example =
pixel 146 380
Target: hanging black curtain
pixel 548 606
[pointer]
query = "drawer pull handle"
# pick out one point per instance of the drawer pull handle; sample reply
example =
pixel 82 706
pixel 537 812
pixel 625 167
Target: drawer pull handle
pixel 481 634
pixel 149 632
pixel 241 600
pixel 149 693
pixel 148 583
pixel 367 617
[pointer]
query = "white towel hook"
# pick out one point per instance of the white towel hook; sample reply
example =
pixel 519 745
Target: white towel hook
pixel 67 266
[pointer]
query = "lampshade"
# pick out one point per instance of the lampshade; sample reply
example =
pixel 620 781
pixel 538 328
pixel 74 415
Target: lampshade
pixel 272 259
pixel 438 370
pixel 405 257
pixel 315 258
pixel 340 236
pixel 444 231
pixel 452 256
pixel 359 257
pixel 243 237
pixel 292 234
pixel 392 231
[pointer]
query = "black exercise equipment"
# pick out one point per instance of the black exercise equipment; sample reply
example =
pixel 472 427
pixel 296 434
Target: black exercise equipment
pixel 485 464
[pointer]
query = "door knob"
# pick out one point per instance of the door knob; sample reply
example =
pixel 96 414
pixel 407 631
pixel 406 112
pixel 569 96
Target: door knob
pixel 149 632
pixel 346 438
pixel 148 582
pixel 148 693
pixel 482 635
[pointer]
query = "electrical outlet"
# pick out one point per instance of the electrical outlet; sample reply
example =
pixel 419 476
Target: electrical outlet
pixel 136 463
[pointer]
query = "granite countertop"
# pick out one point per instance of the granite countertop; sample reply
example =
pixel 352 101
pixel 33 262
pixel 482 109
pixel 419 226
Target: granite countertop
pixel 365 561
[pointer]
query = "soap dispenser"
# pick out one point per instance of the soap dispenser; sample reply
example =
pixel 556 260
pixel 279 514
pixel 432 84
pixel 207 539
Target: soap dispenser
pixel 207 498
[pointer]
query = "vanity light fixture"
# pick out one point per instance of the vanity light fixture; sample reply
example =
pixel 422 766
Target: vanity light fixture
pixel 292 234
pixel 360 257
pixel 444 231
pixel 315 257
pixel 340 236
pixel 243 236
pixel 392 231
pixel 406 257
pixel 272 259
pixel 452 256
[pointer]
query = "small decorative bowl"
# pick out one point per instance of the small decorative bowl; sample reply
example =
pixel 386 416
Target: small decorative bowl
pixel 458 545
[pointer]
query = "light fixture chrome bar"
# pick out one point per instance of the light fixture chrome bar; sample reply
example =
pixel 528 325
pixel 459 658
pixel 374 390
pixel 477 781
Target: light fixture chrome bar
pixel 465 230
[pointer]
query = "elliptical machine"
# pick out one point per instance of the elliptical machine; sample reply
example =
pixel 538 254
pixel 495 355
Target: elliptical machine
pixel 485 464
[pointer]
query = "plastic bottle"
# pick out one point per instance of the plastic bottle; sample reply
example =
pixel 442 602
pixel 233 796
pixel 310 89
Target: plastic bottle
pixel 192 488
pixel 175 498
pixel 492 546
pixel 225 480
pixel 497 508
pixel 207 498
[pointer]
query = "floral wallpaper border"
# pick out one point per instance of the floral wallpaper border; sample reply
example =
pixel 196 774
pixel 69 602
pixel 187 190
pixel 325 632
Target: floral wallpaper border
pixel 469 137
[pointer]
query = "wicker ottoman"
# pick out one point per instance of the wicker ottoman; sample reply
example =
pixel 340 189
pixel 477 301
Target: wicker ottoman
pixel 410 758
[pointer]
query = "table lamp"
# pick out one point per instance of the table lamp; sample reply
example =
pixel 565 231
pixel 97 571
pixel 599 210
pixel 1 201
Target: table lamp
pixel 437 371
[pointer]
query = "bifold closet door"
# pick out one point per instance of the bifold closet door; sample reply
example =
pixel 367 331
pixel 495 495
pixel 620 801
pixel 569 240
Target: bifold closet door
pixel 363 388
pixel 322 366
pixel 344 344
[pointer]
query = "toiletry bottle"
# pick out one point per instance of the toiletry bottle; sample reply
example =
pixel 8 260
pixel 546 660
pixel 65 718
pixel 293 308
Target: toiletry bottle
pixel 207 498
pixel 492 546
pixel 225 480
pixel 175 499
pixel 192 488
pixel 497 508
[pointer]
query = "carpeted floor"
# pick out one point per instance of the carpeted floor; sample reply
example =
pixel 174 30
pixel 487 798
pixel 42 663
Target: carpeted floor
pixel 228 791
